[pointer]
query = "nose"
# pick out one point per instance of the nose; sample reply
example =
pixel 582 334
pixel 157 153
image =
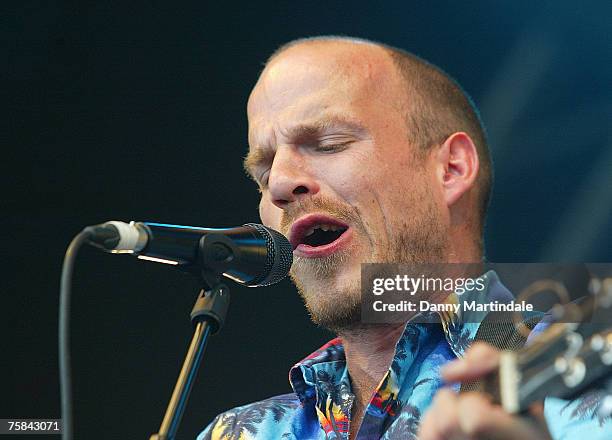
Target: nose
pixel 290 178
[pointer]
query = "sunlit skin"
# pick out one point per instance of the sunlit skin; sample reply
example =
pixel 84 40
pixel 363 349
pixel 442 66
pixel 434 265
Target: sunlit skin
pixel 328 135
pixel 343 163
pixel 326 125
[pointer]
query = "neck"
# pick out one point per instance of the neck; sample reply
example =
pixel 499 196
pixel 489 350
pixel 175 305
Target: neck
pixel 463 247
pixel 369 350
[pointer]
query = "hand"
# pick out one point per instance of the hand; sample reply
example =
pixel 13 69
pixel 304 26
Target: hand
pixel 471 415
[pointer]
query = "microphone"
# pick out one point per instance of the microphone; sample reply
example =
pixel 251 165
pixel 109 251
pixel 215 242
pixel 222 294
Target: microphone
pixel 252 254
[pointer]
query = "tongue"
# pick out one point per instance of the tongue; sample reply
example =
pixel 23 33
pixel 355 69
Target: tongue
pixel 320 237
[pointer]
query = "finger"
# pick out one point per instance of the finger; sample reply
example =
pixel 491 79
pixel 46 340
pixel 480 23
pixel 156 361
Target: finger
pixel 440 421
pixel 479 419
pixel 536 411
pixel 480 359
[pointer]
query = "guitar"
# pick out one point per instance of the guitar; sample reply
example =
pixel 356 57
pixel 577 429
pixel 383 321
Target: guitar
pixel 569 358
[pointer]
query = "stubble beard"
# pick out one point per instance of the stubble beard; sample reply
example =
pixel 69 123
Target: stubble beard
pixel 337 307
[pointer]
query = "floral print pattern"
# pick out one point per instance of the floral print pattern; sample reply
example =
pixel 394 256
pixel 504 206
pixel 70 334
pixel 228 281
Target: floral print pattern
pixel 320 407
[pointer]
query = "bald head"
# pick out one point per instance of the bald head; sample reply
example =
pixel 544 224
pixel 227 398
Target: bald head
pixel 433 106
pixel 349 64
pixel 350 55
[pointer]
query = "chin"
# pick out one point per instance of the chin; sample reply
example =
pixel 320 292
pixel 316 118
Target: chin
pixel 333 300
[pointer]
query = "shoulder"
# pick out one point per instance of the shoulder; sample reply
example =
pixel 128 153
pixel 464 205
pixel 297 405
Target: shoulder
pixel 268 418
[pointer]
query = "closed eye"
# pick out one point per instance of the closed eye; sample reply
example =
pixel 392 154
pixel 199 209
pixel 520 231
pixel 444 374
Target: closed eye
pixel 257 164
pixel 332 148
pixel 262 181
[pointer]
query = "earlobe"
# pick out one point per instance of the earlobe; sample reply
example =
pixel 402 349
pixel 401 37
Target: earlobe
pixel 460 160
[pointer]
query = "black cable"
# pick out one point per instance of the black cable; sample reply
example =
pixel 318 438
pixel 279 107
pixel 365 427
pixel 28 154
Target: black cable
pixel 64 333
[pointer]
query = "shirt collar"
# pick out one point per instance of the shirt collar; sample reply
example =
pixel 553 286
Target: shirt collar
pixel 460 329
pixel 329 363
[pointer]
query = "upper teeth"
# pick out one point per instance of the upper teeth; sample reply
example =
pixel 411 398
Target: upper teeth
pixel 310 231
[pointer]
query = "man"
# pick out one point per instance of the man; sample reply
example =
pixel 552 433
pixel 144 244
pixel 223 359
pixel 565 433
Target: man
pixel 364 153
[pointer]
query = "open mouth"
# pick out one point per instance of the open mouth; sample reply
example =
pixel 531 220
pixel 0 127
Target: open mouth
pixel 317 235
pixel 322 234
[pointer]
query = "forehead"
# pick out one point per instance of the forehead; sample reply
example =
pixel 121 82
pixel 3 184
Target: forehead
pixel 311 78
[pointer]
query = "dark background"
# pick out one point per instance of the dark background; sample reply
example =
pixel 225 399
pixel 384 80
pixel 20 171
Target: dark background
pixel 137 111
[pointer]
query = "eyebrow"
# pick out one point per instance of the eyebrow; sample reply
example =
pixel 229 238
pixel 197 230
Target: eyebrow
pixel 323 124
pixel 260 155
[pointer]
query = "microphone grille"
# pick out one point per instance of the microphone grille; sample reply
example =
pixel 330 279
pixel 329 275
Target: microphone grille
pixel 279 256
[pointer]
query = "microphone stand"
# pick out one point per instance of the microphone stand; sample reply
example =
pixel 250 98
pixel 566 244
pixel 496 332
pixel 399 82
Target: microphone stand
pixel 208 315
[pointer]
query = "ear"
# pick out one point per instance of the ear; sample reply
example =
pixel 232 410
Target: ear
pixel 457 161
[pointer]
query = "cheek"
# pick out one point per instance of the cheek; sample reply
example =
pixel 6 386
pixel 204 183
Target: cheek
pixel 269 214
pixel 350 180
pixel 386 194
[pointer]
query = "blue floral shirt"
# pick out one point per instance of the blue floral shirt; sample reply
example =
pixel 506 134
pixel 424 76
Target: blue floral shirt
pixel 320 407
